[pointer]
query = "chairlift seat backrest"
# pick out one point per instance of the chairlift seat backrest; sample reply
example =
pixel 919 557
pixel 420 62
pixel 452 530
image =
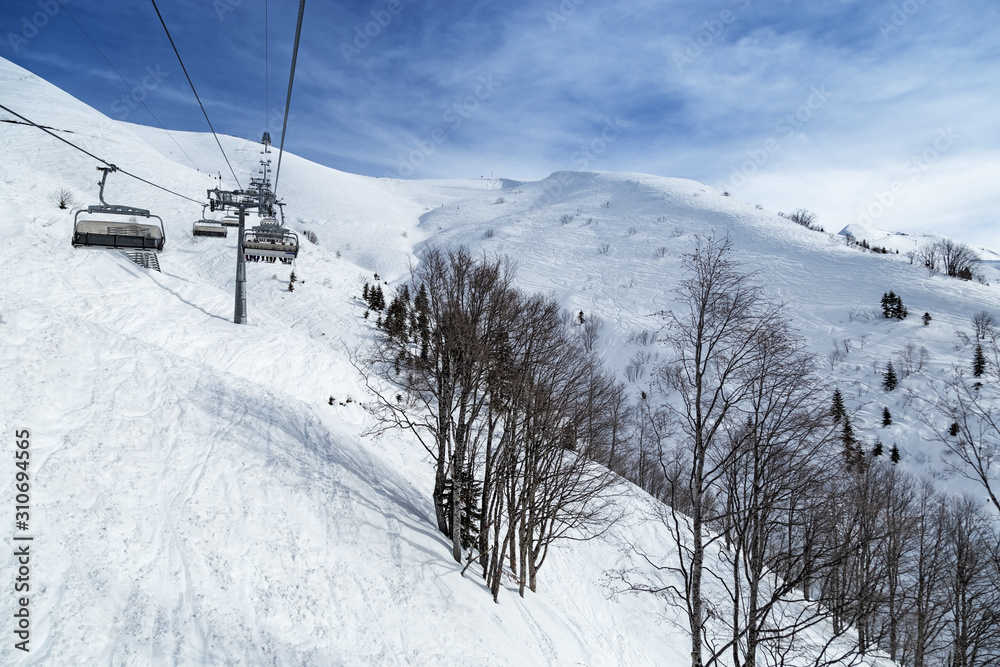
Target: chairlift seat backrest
pixel 117 234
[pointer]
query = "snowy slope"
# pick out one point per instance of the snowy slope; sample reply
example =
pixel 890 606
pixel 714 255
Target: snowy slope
pixel 197 500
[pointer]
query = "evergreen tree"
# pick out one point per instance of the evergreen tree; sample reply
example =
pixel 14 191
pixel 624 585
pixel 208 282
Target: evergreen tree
pixel 890 381
pixel 395 318
pixel 979 362
pixel 364 292
pixel 892 306
pixel 877 449
pixel 291 286
pixel 420 322
pixel 894 454
pixel 837 411
pixel 888 301
pixel 376 299
pixel 953 429
pixel 927 319
pixel 886 416
pixel 850 443
pixel 292 279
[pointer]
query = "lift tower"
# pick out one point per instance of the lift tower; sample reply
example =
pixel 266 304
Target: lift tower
pixel 268 239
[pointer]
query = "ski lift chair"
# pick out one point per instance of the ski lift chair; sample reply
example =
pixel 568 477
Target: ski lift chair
pixel 270 239
pixel 109 230
pixel 209 227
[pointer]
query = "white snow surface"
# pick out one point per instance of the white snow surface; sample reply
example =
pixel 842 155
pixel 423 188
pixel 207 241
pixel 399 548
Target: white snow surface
pixel 196 500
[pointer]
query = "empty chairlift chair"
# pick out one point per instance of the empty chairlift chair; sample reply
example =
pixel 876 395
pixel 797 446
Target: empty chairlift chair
pixel 209 227
pixel 271 239
pixel 116 227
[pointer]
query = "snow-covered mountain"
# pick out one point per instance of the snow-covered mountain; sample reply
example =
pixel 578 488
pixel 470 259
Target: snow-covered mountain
pixel 196 497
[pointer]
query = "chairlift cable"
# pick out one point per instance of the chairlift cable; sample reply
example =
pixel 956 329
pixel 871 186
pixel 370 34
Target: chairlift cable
pixel 101 160
pixel 177 53
pixel 267 110
pixel 288 98
pixel 141 101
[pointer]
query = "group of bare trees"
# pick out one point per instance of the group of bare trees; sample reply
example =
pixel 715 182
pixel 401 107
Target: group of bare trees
pixel 510 404
pixel 952 258
pixel 776 531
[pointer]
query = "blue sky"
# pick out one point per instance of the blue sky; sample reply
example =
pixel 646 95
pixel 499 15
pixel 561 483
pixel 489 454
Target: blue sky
pixel 880 112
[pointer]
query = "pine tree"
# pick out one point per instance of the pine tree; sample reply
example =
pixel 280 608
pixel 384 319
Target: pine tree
pixel 837 411
pixel 890 381
pixel 291 286
pixel 580 317
pixel 888 302
pixel 953 429
pixel 292 279
pixel 886 416
pixel 877 449
pixel 894 454
pixel 364 293
pixel 927 319
pixel 395 318
pixel 979 362
pixel 850 442
pixel 376 299
pixel 420 323
pixel 892 306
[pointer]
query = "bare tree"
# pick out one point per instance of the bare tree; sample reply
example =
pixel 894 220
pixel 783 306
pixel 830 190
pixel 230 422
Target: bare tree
pixel 714 341
pixel 985 325
pixel 590 332
pixel 930 256
pixel 926 619
pixel 771 495
pixel 971 413
pixel 973 627
pixel 804 217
